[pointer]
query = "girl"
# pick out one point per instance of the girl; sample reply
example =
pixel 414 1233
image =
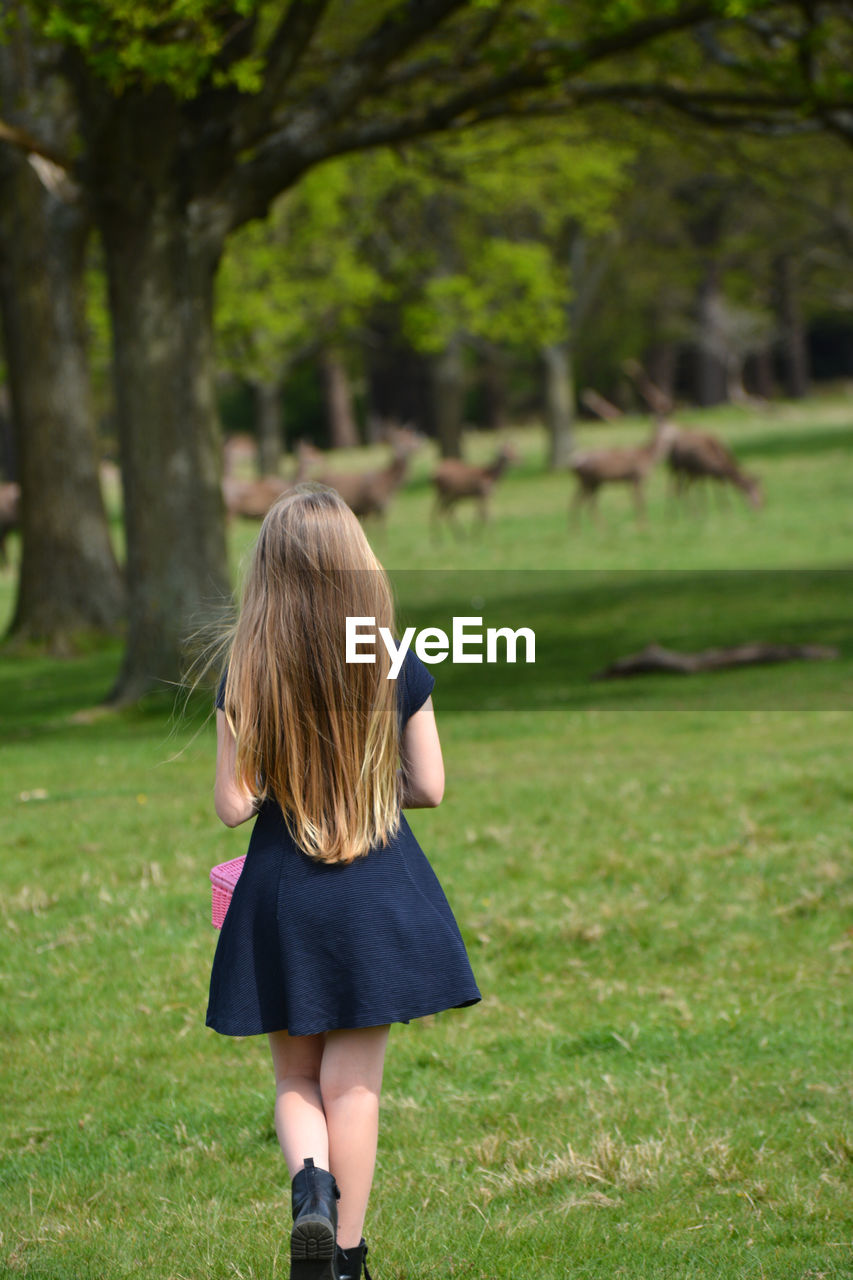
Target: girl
pixel 338 926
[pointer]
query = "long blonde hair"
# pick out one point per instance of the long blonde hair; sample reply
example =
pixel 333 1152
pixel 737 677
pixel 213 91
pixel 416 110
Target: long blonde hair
pixel 315 733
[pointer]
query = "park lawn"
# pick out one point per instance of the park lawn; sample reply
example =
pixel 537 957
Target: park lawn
pixel 654 883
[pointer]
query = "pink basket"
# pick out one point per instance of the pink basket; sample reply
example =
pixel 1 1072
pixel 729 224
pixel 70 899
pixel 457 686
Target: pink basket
pixel 222 881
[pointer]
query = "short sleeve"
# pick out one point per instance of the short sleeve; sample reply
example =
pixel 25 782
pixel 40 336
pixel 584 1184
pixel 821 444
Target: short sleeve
pixel 415 683
pixel 220 692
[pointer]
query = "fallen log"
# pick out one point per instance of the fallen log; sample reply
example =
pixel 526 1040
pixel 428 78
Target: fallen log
pixel 655 659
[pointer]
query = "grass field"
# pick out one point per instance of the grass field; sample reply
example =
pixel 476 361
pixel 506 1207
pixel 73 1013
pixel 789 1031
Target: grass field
pixel 653 878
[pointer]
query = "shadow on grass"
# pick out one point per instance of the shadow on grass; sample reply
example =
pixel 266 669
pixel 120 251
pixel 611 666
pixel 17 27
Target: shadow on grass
pixel 61 696
pixel 585 620
pixel 582 621
pixel 800 444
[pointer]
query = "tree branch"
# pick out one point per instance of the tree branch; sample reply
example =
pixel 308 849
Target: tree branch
pixel 674 95
pixel 576 55
pixel 285 52
pixel 308 139
pixel 481 36
pixel 314 132
pixel 399 32
pixel 284 155
pixel 767 112
pixel 411 72
pixel 475 107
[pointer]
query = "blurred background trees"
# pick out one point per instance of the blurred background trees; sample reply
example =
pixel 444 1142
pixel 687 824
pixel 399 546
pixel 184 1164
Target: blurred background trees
pixel 490 277
pixel 438 213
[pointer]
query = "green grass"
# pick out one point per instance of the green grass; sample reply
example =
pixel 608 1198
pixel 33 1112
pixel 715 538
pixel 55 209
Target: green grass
pixel 653 878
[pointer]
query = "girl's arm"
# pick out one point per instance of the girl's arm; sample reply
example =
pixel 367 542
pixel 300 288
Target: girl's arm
pixel 423 767
pixel 233 803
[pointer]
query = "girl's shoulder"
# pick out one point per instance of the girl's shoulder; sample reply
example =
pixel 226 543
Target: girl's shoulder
pixel 415 683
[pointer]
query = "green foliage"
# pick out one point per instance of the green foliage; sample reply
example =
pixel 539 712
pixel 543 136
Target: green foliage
pixel 175 43
pixel 564 173
pixel 479 227
pixel 190 45
pixel 509 295
pixel 774 198
pixel 465 237
pixel 296 281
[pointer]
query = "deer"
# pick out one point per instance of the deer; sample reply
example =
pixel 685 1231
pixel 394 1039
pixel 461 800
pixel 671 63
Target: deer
pixel 252 499
pixel 660 402
pixel 599 406
pixel 369 493
pixel 593 468
pixel 455 480
pixel 239 450
pixel 10 514
pixel 698 455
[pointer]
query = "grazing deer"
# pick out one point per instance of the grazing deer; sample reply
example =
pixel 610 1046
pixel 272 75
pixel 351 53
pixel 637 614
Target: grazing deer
pixel 697 455
pixel 368 493
pixel 10 514
pixel 252 499
pixel 455 480
pixel 596 467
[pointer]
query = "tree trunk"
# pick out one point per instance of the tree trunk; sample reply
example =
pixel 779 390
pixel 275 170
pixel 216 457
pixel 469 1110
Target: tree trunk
pixel 399 380
pixel 494 388
pixel 559 403
pixel 8 460
pixel 343 431
pixel 448 394
pixel 161 257
pixel 268 420
pixel 792 329
pixel 69 580
pixel 760 374
pixel 661 365
pixel 711 373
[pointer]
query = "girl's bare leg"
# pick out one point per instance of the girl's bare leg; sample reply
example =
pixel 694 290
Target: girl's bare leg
pixel 350 1084
pixel 300 1121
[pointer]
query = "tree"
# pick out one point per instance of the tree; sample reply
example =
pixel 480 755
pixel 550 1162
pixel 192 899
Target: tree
pixel 69 581
pixel 771 200
pixel 501 253
pixel 194 116
pixel 296 285
pixel 795 240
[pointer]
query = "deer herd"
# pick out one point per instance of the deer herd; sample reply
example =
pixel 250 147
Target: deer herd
pixel 693 458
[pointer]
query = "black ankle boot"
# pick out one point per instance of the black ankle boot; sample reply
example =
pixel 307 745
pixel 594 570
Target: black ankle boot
pixel 349 1262
pixel 315 1224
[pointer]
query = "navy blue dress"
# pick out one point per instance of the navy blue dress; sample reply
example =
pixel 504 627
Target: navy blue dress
pixel 308 946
